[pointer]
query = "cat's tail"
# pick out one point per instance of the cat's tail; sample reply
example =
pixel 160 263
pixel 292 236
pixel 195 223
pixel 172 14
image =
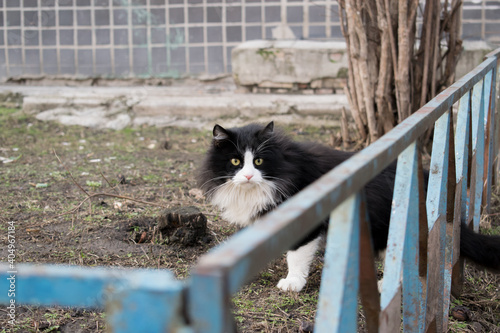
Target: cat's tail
pixel 481 249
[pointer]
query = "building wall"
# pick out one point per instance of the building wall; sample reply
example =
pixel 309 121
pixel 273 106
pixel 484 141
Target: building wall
pixel 168 38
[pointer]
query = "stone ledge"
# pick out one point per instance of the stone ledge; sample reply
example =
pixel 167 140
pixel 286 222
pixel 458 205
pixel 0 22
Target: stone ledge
pixel 290 66
pixel 187 106
pixel 311 67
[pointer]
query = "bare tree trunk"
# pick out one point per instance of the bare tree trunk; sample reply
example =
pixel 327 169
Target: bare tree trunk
pixel 358 48
pixel 452 24
pixel 388 81
pixel 382 92
pixel 437 53
pixel 427 50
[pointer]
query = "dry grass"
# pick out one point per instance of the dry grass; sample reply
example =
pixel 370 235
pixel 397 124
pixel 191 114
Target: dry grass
pixel 481 289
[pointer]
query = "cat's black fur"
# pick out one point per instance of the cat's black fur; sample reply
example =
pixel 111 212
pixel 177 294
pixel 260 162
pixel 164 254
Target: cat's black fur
pixel 295 165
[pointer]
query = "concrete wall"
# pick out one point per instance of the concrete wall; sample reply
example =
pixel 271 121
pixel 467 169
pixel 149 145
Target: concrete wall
pixel 312 67
pixel 169 38
pixel 290 65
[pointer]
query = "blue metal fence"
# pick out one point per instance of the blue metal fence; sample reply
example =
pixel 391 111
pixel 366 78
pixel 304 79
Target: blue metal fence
pixel 429 225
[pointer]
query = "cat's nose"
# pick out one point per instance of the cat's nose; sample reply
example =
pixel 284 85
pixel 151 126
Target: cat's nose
pixel 248 177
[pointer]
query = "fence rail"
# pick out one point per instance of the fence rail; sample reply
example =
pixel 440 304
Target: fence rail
pixel 428 223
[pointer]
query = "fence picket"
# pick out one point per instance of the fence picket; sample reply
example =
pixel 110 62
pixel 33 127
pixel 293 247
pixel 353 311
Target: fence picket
pixel 408 208
pixel 476 186
pixel 404 207
pixel 337 305
pixel 452 227
pixel 210 302
pixel 368 290
pixel 489 141
pixel 436 217
pixel 462 139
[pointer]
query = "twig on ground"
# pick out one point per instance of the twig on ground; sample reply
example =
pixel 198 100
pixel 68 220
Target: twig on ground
pixel 257 317
pixel 145 253
pixel 74 181
pixel 100 194
pixel 493 214
pixel 107 181
pixel 104 194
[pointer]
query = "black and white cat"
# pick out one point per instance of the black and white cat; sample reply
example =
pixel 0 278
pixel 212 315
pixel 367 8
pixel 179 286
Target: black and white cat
pixel 250 170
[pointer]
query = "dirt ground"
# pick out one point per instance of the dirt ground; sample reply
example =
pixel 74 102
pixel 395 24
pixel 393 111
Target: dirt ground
pixel 38 161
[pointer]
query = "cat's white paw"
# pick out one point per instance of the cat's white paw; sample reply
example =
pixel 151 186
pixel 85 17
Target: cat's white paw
pixel 379 285
pixel 294 283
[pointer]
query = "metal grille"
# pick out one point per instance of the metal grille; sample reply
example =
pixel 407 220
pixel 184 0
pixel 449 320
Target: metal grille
pixel 481 20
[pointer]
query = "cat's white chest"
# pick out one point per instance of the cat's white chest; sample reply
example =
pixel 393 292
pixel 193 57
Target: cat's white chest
pixel 241 205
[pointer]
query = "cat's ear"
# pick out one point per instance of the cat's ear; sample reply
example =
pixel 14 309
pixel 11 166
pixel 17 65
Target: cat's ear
pixel 269 128
pixel 220 133
pixel 267 131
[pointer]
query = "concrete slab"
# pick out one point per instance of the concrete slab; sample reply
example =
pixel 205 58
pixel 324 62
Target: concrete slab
pixel 196 105
pixel 282 63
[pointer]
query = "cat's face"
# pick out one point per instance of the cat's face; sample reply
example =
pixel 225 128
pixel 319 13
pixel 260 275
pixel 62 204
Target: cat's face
pixel 244 156
pixel 246 169
pixel 240 175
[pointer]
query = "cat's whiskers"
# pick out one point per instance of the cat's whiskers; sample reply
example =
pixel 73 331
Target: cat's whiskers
pixel 276 200
pixel 281 186
pixel 235 145
pixel 238 145
pixel 282 180
pixel 262 146
pixel 214 179
pixel 210 192
pixel 282 192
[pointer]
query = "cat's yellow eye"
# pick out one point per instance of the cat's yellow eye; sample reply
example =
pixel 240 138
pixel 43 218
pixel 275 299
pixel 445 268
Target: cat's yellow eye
pixel 235 161
pixel 258 161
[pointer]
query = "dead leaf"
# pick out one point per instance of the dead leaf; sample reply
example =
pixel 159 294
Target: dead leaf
pixel 196 193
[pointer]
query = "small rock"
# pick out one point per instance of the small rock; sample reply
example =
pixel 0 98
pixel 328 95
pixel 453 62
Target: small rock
pixel 306 327
pixel 461 313
pixel 184 225
pixel 477 327
pixel 121 179
pixel 324 91
pixel 143 237
pixel 196 193
pixel 166 145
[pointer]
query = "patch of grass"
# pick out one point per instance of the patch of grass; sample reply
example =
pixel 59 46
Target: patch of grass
pixel 7 111
pixel 93 184
pixel 493 231
pixel 458 326
pixel 152 178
